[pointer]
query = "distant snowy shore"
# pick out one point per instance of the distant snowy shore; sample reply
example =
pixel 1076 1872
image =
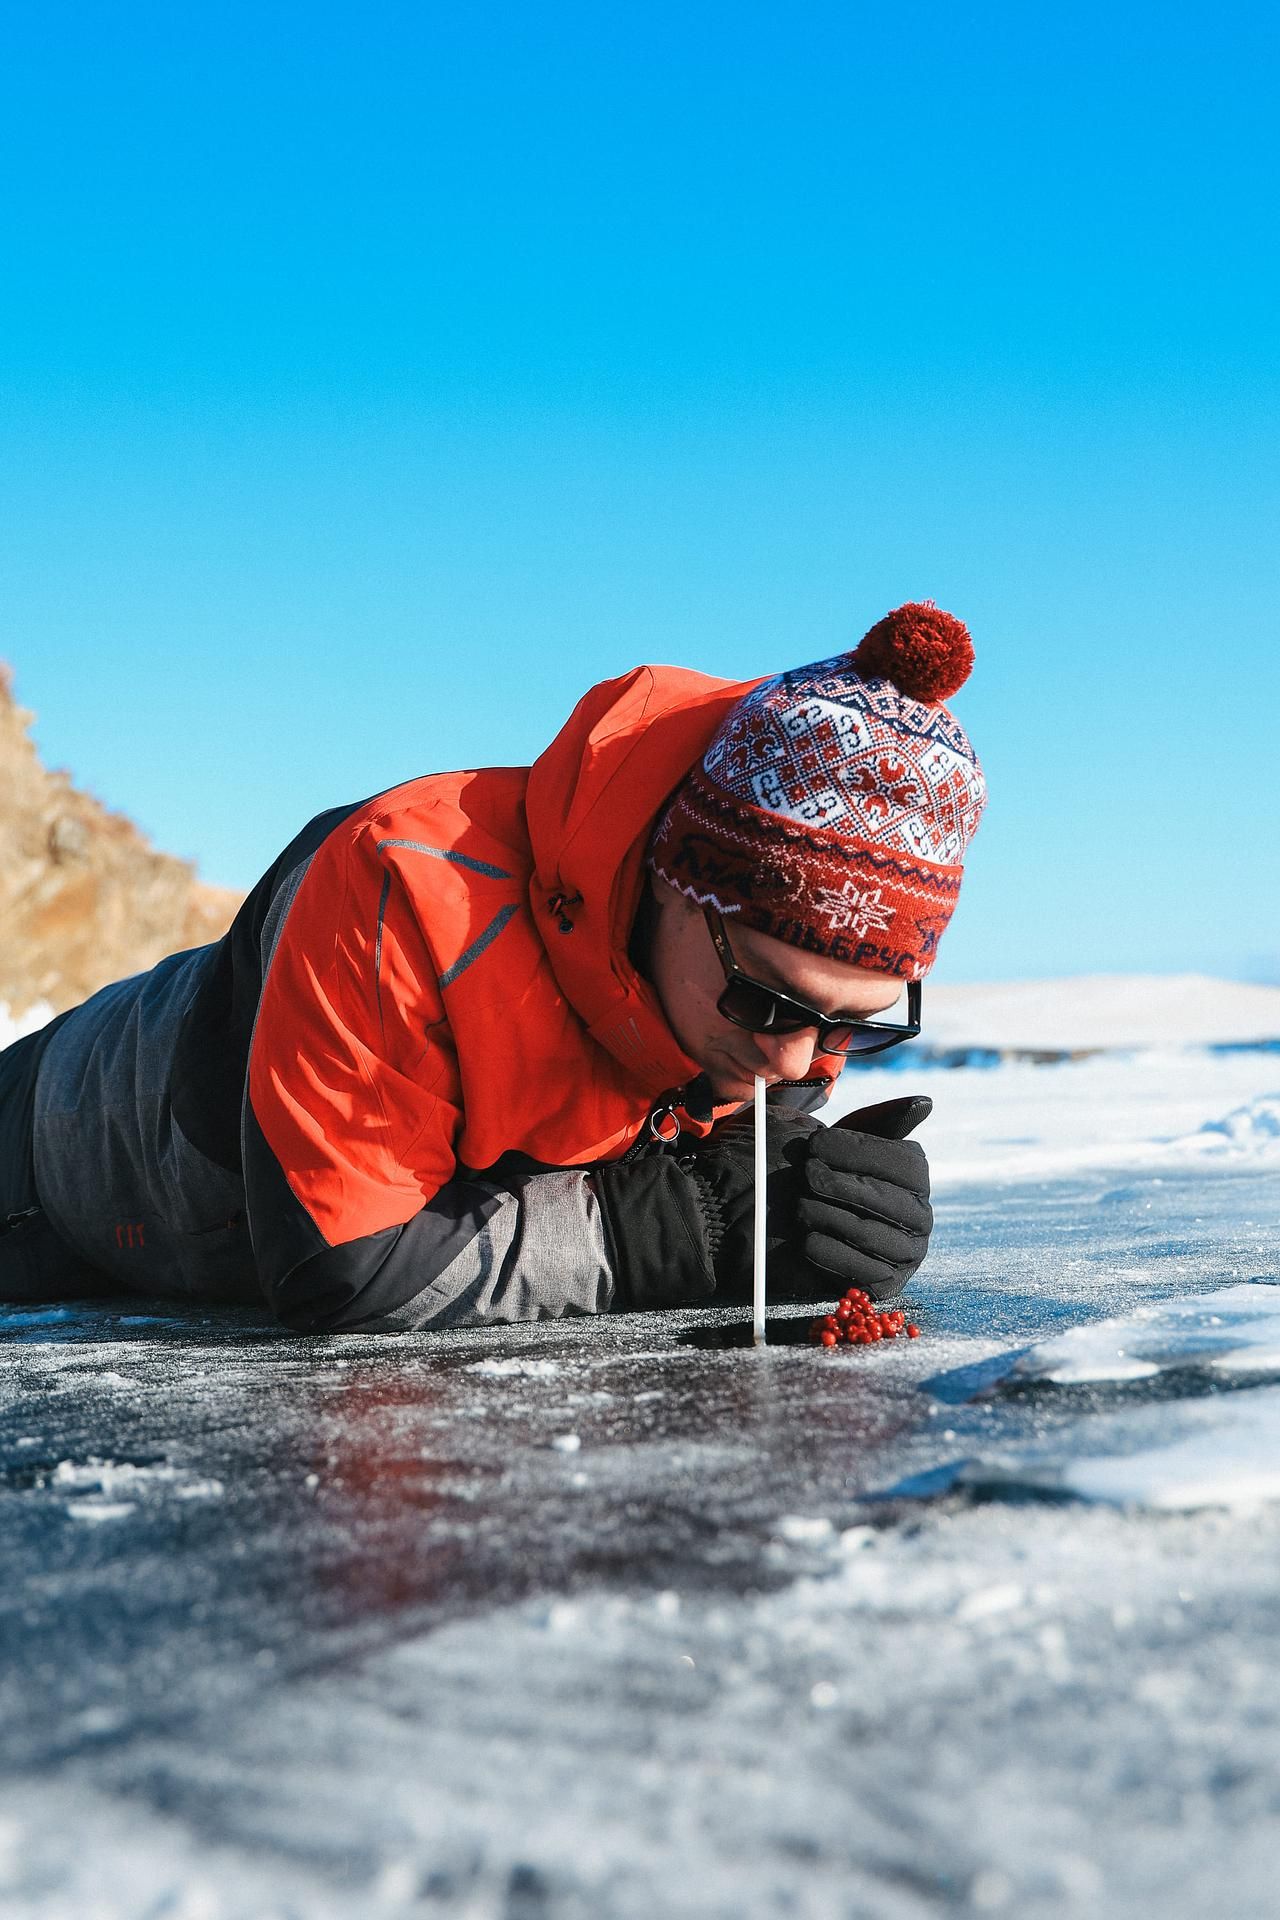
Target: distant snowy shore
pixel 1102 1012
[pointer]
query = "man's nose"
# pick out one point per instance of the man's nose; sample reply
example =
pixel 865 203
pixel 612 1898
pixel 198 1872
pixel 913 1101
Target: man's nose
pixel 787 1056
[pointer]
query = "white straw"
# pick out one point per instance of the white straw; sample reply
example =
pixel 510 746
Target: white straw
pixel 762 1165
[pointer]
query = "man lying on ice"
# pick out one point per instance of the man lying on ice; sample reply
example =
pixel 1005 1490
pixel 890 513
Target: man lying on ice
pixel 471 1048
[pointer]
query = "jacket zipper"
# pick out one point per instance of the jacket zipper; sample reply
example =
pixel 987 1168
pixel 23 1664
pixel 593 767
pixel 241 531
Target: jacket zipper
pixel 649 1135
pixel 666 1110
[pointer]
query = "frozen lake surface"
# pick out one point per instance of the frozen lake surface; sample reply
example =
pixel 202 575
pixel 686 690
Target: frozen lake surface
pixel 619 1618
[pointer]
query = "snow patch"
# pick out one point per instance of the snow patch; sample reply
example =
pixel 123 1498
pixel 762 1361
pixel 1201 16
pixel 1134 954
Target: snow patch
pixel 985 1602
pixel 17 1027
pixel 1250 1132
pixel 1231 1332
pixel 110 1478
pixel 515 1368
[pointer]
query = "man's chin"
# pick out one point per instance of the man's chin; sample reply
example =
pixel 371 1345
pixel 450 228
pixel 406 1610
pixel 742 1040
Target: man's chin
pixel 727 1088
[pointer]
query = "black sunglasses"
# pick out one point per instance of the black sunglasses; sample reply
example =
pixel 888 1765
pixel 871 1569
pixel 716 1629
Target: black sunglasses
pixel 760 1009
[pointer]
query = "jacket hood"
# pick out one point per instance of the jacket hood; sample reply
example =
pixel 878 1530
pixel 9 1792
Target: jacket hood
pixel 592 801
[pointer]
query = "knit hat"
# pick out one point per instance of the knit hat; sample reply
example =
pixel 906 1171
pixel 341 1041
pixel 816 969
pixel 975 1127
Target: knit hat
pixel 834 805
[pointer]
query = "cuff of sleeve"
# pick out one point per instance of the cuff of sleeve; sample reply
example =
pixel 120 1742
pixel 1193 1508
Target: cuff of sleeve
pixel 661 1241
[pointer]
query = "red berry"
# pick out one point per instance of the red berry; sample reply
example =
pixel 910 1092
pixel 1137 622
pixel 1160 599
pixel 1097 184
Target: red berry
pixel 857 1323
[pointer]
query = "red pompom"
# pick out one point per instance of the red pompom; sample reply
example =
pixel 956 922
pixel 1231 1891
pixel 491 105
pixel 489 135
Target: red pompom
pixel 925 652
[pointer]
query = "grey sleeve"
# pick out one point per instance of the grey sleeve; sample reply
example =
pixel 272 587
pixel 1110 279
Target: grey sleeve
pixel 537 1251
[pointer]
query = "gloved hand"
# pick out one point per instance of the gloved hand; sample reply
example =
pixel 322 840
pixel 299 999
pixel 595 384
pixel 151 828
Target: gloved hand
pixel 847 1205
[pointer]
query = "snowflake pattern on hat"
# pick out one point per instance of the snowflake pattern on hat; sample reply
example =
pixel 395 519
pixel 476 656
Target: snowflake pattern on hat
pixel 860 912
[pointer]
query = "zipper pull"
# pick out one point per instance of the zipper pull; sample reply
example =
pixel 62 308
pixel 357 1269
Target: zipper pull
pixel 661 1130
pixel 658 1117
pixel 559 903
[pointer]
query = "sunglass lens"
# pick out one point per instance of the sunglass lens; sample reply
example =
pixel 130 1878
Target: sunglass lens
pixel 758 1010
pixel 857 1040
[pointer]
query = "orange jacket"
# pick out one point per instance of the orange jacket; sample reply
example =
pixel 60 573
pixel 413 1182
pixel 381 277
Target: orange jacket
pixel 450 996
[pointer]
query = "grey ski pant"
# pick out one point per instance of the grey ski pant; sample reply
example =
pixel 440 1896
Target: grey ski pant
pixel 34 1264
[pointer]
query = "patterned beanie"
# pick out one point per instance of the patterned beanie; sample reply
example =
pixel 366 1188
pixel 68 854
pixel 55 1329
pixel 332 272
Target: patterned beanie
pixel 834 805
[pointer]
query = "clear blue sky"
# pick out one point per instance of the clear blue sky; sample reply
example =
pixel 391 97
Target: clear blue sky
pixel 373 379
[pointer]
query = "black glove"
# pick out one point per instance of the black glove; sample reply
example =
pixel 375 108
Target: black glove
pixel 847 1205
pixel 865 1217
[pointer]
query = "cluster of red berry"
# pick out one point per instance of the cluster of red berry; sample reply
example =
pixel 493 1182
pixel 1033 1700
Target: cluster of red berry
pixel 856 1323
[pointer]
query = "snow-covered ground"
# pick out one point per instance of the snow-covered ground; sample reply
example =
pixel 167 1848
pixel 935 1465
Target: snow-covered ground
pixel 609 1619
pixel 14 1027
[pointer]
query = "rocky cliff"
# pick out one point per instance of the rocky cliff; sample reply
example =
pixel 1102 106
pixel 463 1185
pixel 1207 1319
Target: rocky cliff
pixel 84 897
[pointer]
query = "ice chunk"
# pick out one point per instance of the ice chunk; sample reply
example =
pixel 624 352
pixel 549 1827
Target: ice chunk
pixel 34 1317
pixel 110 1476
pixel 1218 1453
pixel 1235 1331
pixel 100 1509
